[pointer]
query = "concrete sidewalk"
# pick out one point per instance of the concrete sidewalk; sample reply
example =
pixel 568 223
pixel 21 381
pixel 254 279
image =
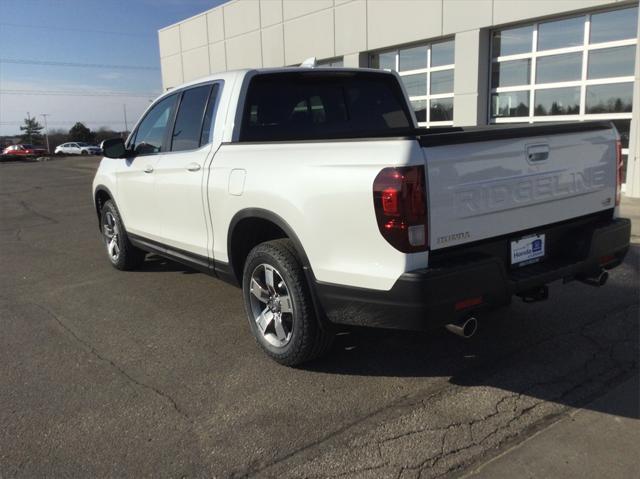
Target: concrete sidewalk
pixel 600 440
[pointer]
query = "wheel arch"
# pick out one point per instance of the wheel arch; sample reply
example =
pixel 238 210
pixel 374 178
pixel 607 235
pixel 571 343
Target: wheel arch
pixel 233 272
pixel 255 216
pixel 101 195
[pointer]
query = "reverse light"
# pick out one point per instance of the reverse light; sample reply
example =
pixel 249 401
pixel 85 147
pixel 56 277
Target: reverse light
pixel 400 203
pixel 390 201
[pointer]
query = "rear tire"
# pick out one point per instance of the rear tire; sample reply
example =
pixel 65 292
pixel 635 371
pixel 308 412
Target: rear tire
pixel 121 253
pixel 279 306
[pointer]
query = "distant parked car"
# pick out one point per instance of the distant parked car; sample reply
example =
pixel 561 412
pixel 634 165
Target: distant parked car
pixel 77 148
pixel 24 150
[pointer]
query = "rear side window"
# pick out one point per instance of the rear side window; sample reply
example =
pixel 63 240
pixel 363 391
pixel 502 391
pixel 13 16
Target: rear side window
pixel 207 124
pixel 323 105
pixel 151 132
pixel 188 125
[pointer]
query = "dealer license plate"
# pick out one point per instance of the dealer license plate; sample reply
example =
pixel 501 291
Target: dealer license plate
pixel 527 250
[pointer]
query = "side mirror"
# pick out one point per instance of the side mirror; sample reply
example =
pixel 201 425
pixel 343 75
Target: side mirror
pixel 114 148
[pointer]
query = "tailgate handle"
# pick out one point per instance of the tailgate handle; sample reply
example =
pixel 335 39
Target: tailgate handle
pixel 537 152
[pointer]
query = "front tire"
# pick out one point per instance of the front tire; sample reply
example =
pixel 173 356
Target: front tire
pixel 121 253
pixel 279 307
pixel 84 153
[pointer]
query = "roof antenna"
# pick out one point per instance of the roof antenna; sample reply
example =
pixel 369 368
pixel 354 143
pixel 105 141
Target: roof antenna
pixel 309 63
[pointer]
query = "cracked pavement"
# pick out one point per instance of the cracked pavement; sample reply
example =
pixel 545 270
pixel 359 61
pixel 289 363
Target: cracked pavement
pixel 154 373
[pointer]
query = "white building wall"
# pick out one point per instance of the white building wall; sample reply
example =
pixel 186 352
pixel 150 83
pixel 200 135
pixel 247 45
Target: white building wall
pixel 633 162
pixel 271 33
pixel 330 28
pixel 471 79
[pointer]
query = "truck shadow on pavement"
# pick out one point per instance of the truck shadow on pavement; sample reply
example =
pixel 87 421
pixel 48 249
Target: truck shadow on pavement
pixel 567 350
pixel 158 264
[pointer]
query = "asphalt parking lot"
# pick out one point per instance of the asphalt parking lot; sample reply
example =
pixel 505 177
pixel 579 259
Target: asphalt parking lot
pixel 154 372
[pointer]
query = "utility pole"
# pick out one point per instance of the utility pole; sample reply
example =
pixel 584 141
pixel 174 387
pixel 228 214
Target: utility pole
pixel 124 109
pixel 46 130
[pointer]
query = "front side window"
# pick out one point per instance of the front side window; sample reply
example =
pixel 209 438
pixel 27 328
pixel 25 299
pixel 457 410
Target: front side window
pixel 150 135
pixel 427 72
pixel 188 124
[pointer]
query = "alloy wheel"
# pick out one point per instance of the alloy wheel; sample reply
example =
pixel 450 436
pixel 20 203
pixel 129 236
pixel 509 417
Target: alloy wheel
pixel 271 305
pixel 112 236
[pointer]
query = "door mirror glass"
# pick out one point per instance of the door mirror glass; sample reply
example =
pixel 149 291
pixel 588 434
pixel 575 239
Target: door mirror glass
pixel 114 148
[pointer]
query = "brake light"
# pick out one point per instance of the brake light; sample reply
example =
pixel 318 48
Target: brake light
pixel 604 260
pixel 468 303
pixel 400 203
pixel 619 168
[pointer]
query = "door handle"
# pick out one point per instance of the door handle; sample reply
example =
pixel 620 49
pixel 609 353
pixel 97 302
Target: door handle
pixel 193 167
pixel 148 169
pixel 538 152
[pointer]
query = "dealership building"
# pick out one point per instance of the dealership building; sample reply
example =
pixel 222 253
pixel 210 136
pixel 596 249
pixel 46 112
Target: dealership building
pixel 463 62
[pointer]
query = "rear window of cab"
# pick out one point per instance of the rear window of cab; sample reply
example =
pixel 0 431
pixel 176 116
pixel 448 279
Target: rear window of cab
pixel 319 105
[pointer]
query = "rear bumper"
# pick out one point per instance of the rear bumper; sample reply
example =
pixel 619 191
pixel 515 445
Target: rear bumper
pixel 426 298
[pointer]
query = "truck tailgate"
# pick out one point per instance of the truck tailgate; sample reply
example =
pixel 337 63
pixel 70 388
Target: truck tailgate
pixel 495 181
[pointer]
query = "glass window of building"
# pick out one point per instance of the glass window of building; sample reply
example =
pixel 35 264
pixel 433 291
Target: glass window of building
pixel 560 34
pixel 427 72
pixel 515 72
pixel 512 41
pixel 574 68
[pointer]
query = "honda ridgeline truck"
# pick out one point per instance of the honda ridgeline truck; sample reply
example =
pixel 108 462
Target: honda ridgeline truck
pixel 314 191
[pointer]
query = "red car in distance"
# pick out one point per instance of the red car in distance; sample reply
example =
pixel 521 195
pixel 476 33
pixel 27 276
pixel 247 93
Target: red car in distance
pixel 24 150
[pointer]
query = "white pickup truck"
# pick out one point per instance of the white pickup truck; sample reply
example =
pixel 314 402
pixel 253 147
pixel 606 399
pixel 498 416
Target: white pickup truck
pixel 313 190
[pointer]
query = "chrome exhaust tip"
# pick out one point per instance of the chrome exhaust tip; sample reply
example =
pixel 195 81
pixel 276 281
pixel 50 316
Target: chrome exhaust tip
pixel 598 280
pixel 465 328
pixel 602 278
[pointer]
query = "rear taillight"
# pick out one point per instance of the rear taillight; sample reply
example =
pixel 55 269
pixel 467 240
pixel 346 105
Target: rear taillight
pixel 400 201
pixel 619 168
